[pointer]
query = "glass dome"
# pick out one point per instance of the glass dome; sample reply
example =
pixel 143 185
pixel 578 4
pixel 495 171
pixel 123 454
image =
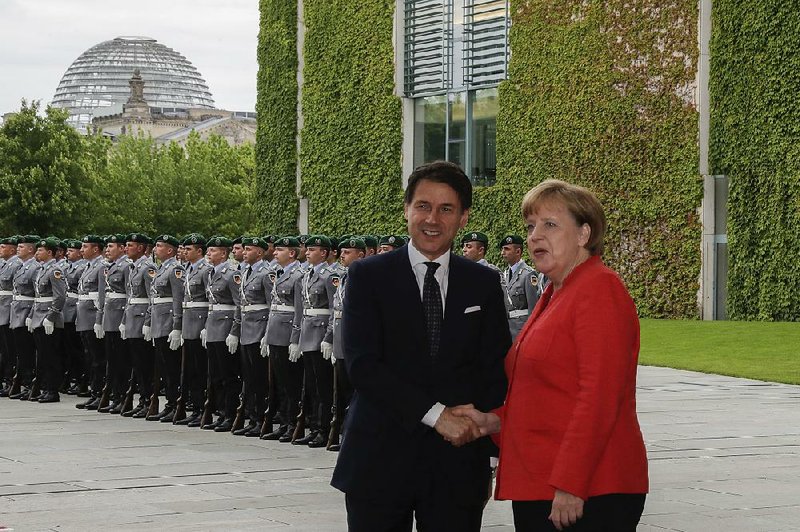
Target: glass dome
pixel 96 84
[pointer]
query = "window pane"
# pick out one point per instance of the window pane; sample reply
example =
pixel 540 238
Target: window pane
pixel 429 129
pixel 484 136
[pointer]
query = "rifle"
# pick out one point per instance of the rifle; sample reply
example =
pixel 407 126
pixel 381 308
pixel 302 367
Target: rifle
pixel 152 409
pixel 300 429
pixel 269 413
pixel 238 421
pixel 208 408
pixel 180 404
pixel 336 420
pixel 127 403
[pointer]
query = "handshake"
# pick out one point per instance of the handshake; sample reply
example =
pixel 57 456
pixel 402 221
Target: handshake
pixel 462 424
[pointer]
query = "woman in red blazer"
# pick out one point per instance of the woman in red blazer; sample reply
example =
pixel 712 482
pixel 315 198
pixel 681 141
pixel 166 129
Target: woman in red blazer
pixel 571 451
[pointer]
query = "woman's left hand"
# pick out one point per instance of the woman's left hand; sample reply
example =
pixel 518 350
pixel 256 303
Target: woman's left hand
pixel 567 509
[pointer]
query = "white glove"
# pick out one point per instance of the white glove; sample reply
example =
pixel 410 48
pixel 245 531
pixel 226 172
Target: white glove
pixel 264 347
pixel 28 323
pixel 146 333
pixel 122 331
pixel 203 336
pixel 327 350
pixel 174 339
pixel 333 361
pixel 294 353
pixel 49 326
pixel 98 331
pixel 232 342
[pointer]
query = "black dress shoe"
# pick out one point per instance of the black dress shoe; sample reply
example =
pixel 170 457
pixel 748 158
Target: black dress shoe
pixel 225 426
pixel 22 393
pixel 34 398
pixel 195 422
pixel 275 434
pixel 318 441
pixel 244 430
pixel 168 417
pixel 214 424
pixel 135 410
pixel 49 397
pixel 288 435
pixel 141 414
pixel 168 410
pixel 4 391
pixel 115 409
pixel 106 409
pixel 72 390
pixel 308 439
pixel 335 447
pixel 255 432
pixel 188 419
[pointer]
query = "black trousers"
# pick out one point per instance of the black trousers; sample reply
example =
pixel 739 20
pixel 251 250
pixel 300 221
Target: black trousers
pixel 49 363
pixel 195 373
pixel 97 360
pixel 118 364
pixel 322 372
pixel 616 512
pixel 74 354
pixel 255 381
pixel 171 369
pixel 344 391
pixel 26 354
pixel 289 379
pixel 143 356
pixel 223 369
pixel 8 354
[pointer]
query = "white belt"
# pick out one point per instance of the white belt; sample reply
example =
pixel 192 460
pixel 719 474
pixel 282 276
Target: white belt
pixel 73 295
pixel 116 295
pixel 316 312
pixel 138 301
pixel 45 299
pixel 337 314
pixel 157 300
pixel 24 298
pixel 196 304
pixel 6 292
pixel 518 313
pixel 282 308
pixel 254 308
pixel 91 296
pixel 221 307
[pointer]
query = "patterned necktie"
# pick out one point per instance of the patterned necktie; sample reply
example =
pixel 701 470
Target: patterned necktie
pixel 432 306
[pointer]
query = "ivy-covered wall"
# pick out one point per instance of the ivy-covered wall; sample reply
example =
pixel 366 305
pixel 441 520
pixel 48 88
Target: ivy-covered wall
pixel 755 141
pixel 276 137
pixel 352 133
pixel 601 94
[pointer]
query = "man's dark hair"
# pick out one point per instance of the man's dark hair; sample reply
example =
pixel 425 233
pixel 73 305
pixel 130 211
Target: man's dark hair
pixel 442 172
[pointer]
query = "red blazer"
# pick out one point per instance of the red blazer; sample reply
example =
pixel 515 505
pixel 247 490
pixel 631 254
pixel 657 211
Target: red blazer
pixel 569 419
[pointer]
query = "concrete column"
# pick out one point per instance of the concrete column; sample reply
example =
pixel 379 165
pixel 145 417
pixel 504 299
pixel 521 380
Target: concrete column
pixel 398 40
pixel 708 268
pixel 302 222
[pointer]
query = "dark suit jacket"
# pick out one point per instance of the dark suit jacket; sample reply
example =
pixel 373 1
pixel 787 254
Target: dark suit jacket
pixel 396 381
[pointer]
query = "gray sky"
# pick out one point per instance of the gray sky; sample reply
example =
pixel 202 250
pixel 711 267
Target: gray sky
pixel 39 40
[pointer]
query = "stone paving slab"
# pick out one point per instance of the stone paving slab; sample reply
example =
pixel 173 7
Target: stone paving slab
pixel 724 456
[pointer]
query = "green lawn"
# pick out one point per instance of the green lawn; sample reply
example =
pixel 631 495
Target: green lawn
pixel 756 350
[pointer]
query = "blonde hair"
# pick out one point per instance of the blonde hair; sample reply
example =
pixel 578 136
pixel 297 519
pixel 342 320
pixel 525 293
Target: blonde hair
pixel 581 203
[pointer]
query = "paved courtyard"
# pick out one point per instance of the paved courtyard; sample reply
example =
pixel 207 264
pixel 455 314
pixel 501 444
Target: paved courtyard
pixel 724 456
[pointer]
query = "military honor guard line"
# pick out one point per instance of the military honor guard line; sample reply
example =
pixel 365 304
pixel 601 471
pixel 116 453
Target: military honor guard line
pixel 231 335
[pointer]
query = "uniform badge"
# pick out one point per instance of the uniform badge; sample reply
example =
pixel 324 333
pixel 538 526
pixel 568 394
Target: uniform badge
pixel 152 273
pixel 535 280
pixel 178 273
pixel 237 278
pixel 273 277
pixel 105 272
pixel 335 281
pixel 57 274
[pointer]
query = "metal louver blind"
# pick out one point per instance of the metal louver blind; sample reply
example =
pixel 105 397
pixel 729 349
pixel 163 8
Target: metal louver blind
pixel 428 47
pixel 485 42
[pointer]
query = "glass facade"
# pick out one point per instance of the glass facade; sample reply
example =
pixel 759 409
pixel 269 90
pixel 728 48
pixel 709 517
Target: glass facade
pixel 455 55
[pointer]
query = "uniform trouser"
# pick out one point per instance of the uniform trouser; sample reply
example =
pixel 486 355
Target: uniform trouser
pixel 321 384
pixel 49 363
pixel 9 355
pixel 344 391
pixel 74 354
pixel 23 340
pixel 223 368
pixel 118 364
pixel 195 373
pixel 95 362
pixel 143 356
pixel 256 381
pixel 171 369
pixel 289 379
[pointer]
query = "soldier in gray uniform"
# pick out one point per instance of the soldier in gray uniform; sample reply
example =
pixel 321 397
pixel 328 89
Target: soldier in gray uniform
pixel 195 313
pixel 11 263
pixel 222 335
pixel 47 321
pixel 110 308
pixel 275 344
pixel 253 314
pixel 313 308
pixel 473 247
pixel 351 250
pixel 390 243
pixel 77 366
pixel 89 285
pixel 21 305
pixel 140 277
pixel 163 322
pixel 521 284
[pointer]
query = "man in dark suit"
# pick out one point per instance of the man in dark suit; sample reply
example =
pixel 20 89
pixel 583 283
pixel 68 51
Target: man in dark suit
pixel 435 340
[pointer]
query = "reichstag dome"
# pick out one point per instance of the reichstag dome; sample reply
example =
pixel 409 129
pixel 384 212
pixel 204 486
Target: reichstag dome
pixel 96 84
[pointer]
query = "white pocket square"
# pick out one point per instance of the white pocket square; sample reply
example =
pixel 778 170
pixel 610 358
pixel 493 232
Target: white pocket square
pixel 476 308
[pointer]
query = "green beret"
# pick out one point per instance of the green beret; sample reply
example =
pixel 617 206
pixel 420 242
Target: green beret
pixel 392 240
pixel 288 242
pixel 475 236
pixel 168 239
pixel 302 239
pixel 50 243
pixel 93 239
pixel 319 241
pixel 270 239
pixel 73 244
pixel 237 240
pixel 221 242
pixel 115 239
pixel 29 239
pixel 353 243
pixel 258 241
pixel 63 244
pixel 370 241
pixel 194 239
pixel 511 239
pixel 10 241
pixel 139 238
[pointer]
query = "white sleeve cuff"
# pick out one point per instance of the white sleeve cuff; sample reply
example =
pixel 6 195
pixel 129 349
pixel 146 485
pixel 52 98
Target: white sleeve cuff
pixel 493 461
pixel 433 414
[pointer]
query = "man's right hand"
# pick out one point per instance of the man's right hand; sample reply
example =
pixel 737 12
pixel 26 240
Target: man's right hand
pixel 458 430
